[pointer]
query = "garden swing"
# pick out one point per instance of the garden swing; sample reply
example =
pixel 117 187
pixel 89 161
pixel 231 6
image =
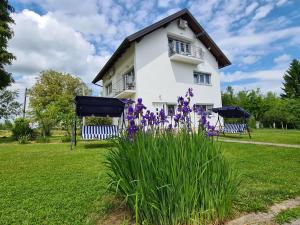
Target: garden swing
pixel 86 106
pixel 233 112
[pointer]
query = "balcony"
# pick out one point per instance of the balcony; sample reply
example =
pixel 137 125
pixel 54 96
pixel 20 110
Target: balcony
pixel 185 52
pixel 124 88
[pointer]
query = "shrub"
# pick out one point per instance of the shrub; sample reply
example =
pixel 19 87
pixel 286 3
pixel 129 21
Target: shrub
pixel 65 139
pixel 22 129
pixel 169 178
pixel 23 139
pixel 42 139
pixel 93 121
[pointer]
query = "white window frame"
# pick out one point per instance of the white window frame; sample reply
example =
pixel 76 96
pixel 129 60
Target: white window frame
pixel 205 106
pixel 198 75
pixel 108 88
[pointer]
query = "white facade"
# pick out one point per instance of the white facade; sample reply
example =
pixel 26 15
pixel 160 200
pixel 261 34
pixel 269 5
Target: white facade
pixel 160 77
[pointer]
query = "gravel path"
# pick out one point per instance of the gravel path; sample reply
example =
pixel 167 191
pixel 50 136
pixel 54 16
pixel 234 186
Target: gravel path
pixel 266 218
pixel 261 143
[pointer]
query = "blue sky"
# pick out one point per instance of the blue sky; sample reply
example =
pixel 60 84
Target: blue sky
pixel 259 37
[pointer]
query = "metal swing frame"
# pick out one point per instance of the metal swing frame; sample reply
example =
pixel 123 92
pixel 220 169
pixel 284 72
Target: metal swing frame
pixel 232 112
pixel 86 106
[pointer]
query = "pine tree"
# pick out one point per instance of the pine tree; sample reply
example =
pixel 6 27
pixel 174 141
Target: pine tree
pixel 6 33
pixel 291 84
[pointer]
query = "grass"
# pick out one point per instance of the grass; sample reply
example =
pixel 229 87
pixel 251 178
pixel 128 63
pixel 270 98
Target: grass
pixel 269 174
pixel 268 135
pixel 48 184
pixel 288 215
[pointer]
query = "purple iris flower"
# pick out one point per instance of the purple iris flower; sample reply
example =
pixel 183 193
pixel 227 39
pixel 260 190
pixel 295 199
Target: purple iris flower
pixel 203 120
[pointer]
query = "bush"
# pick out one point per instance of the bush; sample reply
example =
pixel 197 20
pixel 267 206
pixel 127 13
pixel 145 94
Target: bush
pixel 24 139
pixel 66 139
pixel 22 130
pixel 93 121
pixel 173 178
pixel 42 139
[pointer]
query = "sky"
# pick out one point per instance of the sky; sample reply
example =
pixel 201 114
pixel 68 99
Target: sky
pixel 75 36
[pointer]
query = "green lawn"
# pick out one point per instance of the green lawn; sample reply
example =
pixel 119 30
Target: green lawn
pixel 49 184
pixel 269 174
pixel 269 135
pixel 288 215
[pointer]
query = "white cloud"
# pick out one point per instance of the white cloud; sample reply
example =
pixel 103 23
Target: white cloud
pixel 283 59
pixel 251 8
pixel 250 59
pixel 42 42
pixel 263 11
pixel 266 80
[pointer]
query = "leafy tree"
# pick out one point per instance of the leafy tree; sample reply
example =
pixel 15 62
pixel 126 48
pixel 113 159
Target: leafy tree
pixel 228 97
pixel 9 107
pixel 6 33
pixel 51 100
pixel 291 84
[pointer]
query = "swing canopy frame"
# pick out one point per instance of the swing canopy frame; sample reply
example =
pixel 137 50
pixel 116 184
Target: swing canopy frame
pixel 234 112
pixel 86 106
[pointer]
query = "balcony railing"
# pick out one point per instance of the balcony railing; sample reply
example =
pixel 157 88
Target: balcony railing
pixel 185 49
pixel 124 86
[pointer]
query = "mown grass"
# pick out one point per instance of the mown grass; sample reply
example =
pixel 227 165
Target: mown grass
pixel 48 184
pixel 268 135
pixel 269 174
pixel 288 215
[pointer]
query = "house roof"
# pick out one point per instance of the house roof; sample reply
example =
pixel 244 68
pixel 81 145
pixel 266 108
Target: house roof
pixel 185 14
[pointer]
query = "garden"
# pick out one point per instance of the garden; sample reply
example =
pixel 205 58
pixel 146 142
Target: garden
pixel 160 171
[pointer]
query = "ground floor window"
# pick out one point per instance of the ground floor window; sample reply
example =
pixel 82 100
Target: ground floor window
pixel 207 107
pixel 170 109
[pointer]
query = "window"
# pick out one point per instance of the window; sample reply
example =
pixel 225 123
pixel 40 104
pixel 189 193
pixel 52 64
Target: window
pixel 180 47
pixel 108 88
pixel 206 107
pixel 170 110
pixel 128 80
pixel 202 78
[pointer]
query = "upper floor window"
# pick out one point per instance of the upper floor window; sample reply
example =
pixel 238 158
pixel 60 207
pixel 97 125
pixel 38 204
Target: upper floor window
pixel 202 78
pixel 108 88
pixel 180 47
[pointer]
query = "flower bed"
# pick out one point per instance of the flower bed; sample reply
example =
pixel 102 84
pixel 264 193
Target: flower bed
pixel 171 179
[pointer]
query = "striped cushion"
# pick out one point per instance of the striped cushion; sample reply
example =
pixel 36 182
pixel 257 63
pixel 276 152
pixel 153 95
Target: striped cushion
pixel 234 128
pixel 99 132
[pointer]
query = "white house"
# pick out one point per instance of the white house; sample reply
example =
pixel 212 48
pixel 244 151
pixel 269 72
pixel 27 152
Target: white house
pixel 160 62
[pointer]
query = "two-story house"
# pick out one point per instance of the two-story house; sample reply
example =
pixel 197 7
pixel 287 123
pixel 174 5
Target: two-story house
pixel 160 62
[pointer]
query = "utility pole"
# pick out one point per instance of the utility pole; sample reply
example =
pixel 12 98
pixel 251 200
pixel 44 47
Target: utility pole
pixel 24 106
pixel 83 93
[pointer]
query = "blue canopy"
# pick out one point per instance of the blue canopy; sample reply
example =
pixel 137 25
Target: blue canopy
pixel 232 112
pixel 98 106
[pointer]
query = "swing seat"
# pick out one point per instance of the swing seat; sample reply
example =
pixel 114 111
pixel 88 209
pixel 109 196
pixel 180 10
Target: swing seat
pixel 233 128
pixel 99 132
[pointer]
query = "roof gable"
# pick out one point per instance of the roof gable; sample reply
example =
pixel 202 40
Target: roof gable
pixel 185 14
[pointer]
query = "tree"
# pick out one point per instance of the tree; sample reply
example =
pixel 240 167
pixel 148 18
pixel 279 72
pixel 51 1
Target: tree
pixel 6 33
pixel 9 107
pixel 291 84
pixel 51 100
pixel 228 97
